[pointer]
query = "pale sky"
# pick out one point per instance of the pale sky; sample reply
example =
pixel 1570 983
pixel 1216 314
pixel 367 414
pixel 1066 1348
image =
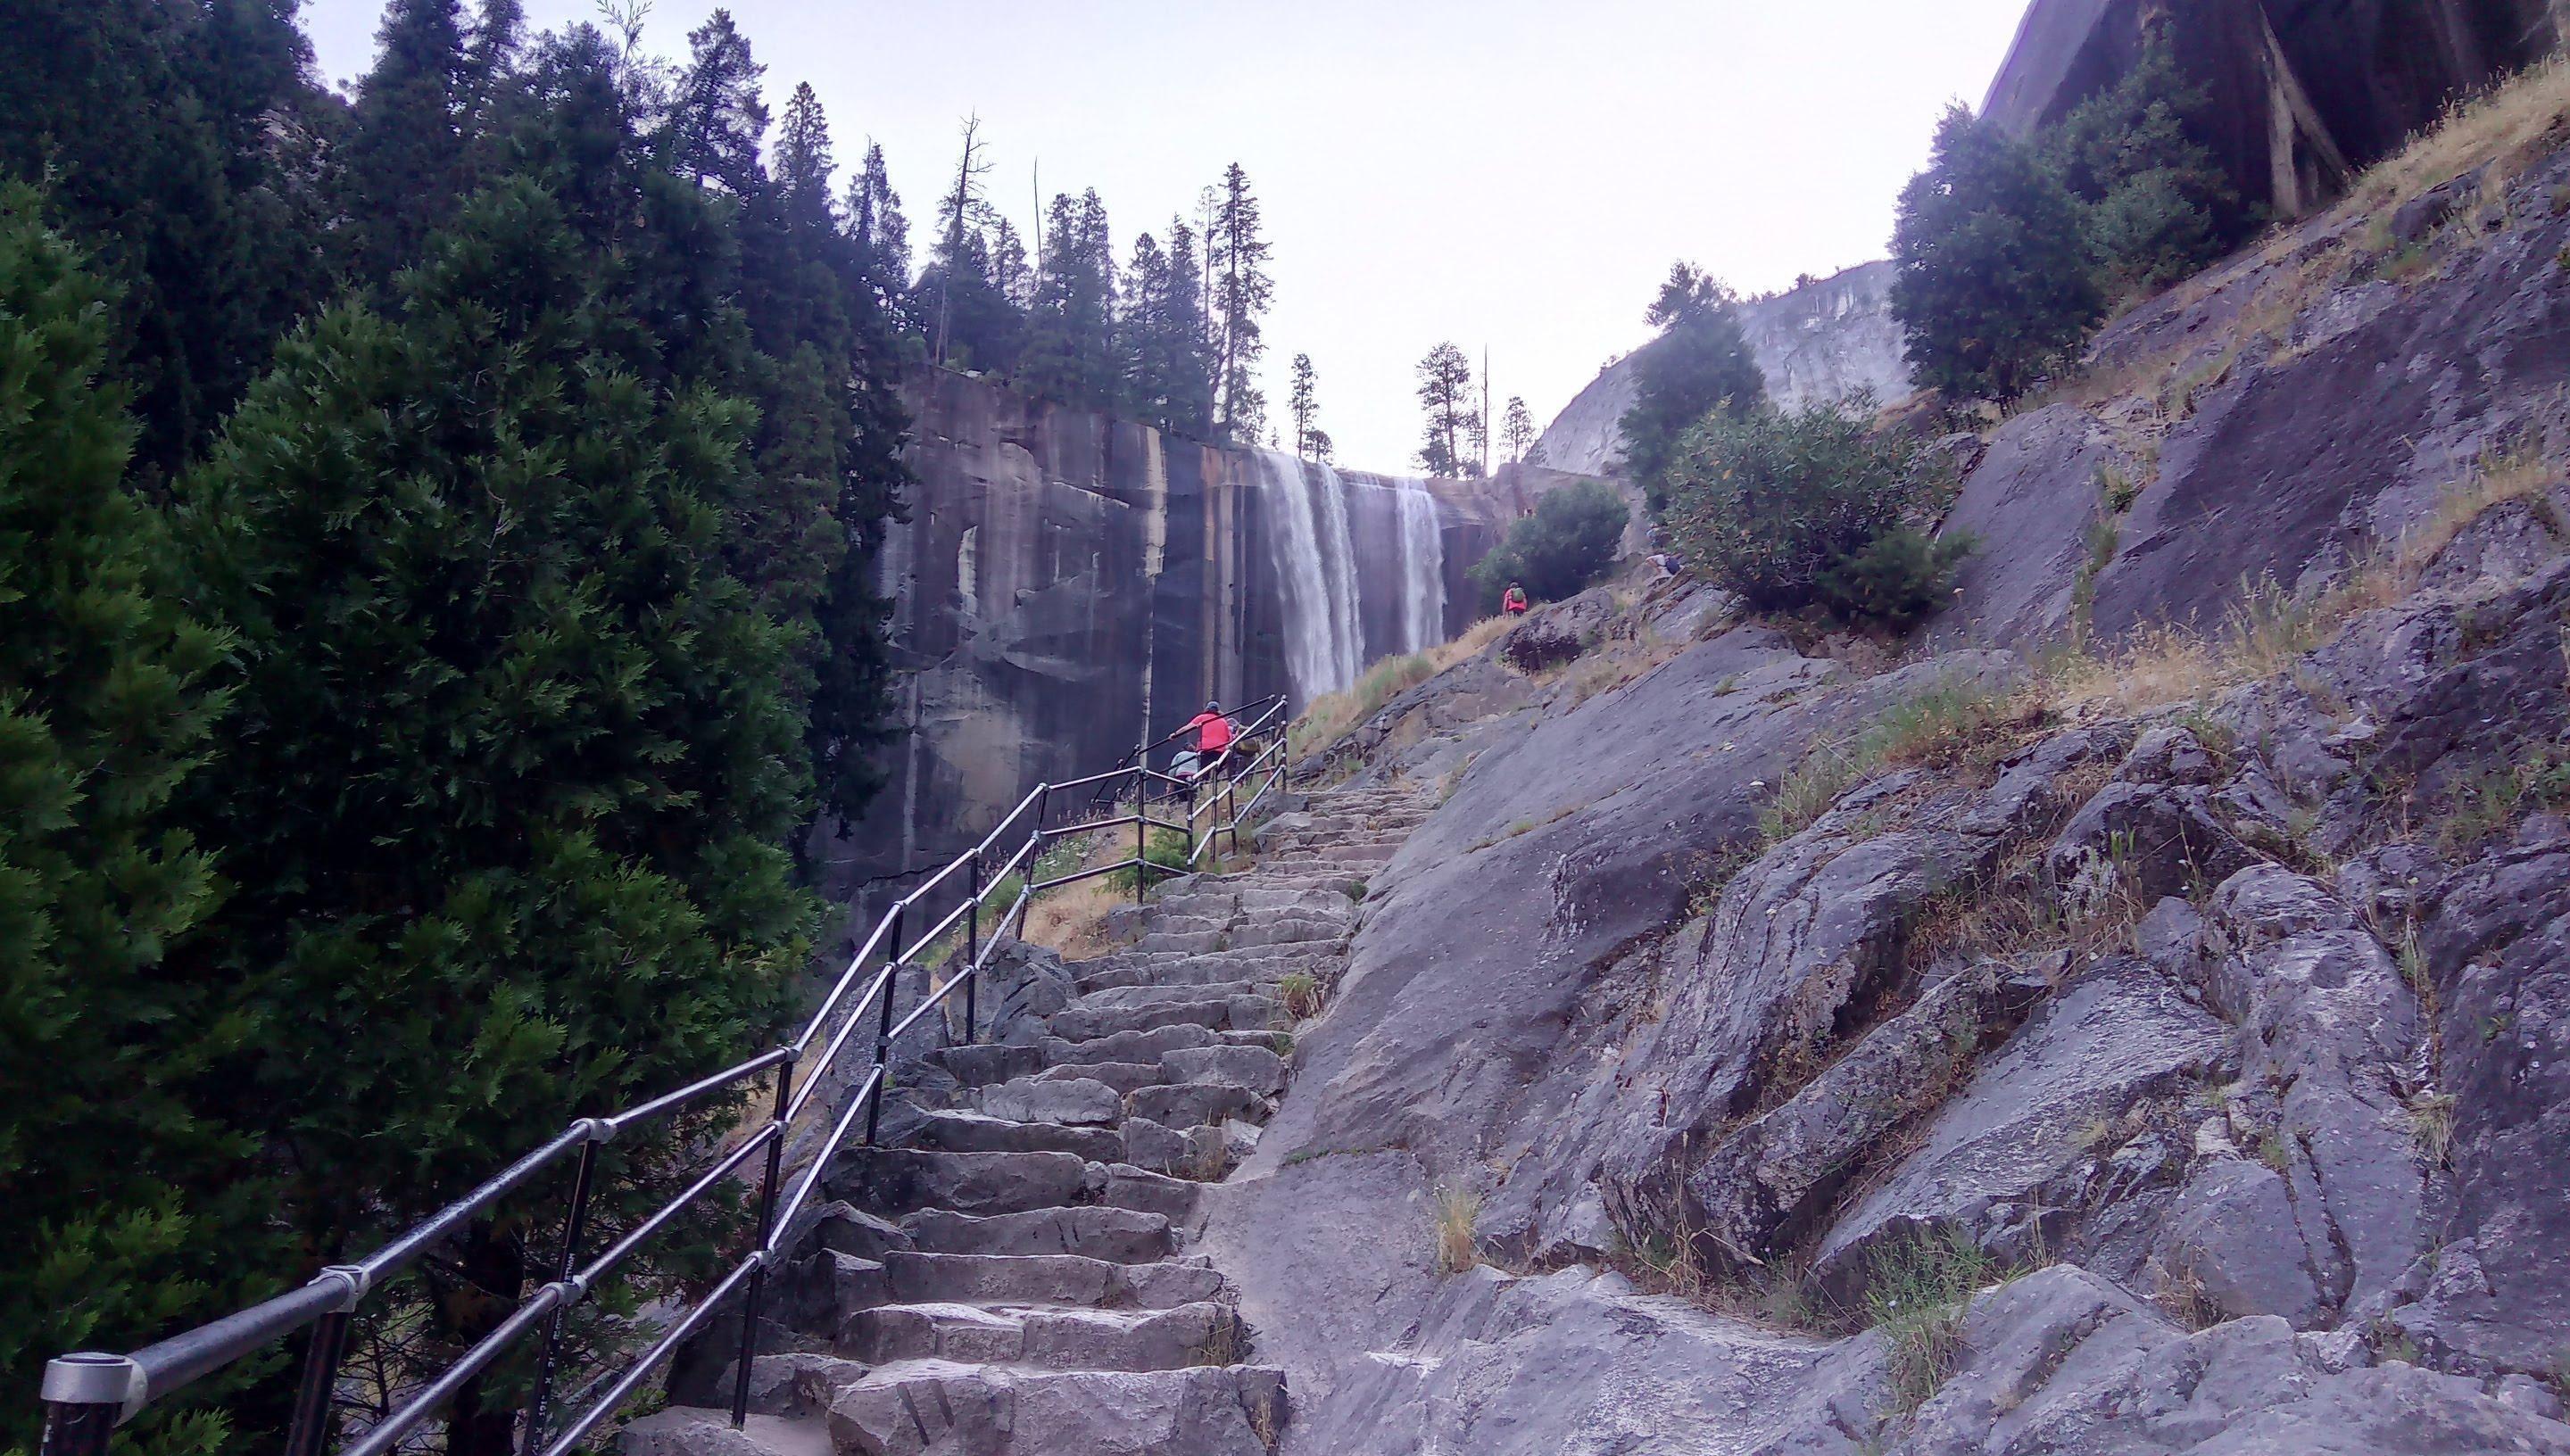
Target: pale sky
pixel 1509 174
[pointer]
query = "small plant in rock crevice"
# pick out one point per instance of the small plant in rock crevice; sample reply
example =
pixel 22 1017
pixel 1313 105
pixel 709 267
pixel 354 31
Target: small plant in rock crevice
pixel 1301 995
pixel 1918 1288
pixel 1458 1217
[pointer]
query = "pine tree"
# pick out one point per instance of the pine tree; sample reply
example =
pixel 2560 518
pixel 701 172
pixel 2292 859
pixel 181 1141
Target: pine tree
pixel 1071 353
pixel 2158 207
pixel 1700 363
pixel 716 118
pixel 181 145
pixel 1446 392
pixel 1241 293
pixel 1518 433
pixel 512 765
pixel 1993 284
pixel 406 162
pixel 880 232
pixel 130 1213
pixel 1305 408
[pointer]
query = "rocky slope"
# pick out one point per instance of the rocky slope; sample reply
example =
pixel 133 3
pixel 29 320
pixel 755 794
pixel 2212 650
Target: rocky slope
pixel 2120 1020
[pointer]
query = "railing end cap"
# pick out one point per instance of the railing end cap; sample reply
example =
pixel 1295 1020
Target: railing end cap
pixel 595 1129
pixel 94 1377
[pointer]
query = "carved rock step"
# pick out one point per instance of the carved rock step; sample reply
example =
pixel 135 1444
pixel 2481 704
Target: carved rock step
pixel 1111 1234
pixel 1049 1336
pixel 891 1182
pixel 1045 1279
pixel 973 1132
pixel 1088 1024
pixel 947 1408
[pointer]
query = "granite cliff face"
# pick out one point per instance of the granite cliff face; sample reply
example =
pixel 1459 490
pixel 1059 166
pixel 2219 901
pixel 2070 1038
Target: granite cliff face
pixel 1071 584
pixel 2303 95
pixel 1826 340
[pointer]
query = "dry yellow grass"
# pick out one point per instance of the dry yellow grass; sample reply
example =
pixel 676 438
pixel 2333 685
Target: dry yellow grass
pixel 2505 128
pixel 2271 628
pixel 1331 715
pixel 1071 919
pixel 1458 1218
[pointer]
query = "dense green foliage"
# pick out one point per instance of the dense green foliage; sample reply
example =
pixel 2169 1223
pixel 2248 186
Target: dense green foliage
pixel 1807 508
pixel 529 624
pixel 1567 544
pixel 1699 363
pixel 2157 207
pixel 1994 285
pixel 2010 251
pixel 125 1208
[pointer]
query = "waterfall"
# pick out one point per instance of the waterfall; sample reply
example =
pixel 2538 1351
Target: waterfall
pixel 1423 566
pixel 1316 572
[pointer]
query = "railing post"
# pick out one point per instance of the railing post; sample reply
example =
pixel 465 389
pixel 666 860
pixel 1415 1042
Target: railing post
pixel 973 946
pixel 575 1227
pixel 85 1395
pixel 767 1236
pixel 309 1432
pixel 1142 850
pixel 883 1025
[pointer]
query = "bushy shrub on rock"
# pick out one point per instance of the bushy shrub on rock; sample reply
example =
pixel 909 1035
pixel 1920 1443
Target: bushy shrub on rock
pixel 1808 510
pixel 1567 542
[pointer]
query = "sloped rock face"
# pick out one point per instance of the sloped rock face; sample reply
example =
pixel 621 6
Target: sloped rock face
pixel 2169 1012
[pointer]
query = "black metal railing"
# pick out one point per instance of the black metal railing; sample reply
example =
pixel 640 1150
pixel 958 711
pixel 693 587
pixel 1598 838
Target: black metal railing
pixel 87 1395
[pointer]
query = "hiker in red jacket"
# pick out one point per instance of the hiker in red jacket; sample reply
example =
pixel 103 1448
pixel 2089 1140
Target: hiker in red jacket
pixel 1213 738
pixel 1514 602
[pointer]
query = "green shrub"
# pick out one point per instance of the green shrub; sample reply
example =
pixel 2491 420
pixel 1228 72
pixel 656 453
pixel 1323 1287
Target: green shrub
pixel 1567 542
pixel 2157 206
pixel 1918 1288
pixel 1808 510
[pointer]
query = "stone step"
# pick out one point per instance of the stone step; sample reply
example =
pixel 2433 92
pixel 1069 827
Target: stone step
pixel 947 1131
pixel 1129 1187
pixel 1045 1279
pixel 1083 1024
pixel 1062 1101
pixel 688 1430
pixel 1265 963
pixel 1200 1104
pixel 1149 994
pixel 1045 1336
pixel 891 1182
pixel 1116 1236
pixel 948 1408
pixel 1122 1076
pixel 1141 1044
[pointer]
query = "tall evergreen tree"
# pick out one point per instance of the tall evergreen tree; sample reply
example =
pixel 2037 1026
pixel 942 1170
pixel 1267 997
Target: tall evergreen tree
pixel 1992 283
pixel 512 764
pixel 129 1211
pixel 1518 434
pixel 881 234
pixel 406 163
pixel 1699 363
pixel 1071 352
pixel 1446 393
pixel 717 117
pixel 1238 253
pixel 1304 405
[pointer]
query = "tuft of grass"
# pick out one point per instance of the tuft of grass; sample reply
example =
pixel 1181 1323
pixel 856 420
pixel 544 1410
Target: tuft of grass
pixel 2431 1122
pixel 1958 720
pixel 1918 1288
pixel 1301 995
pixel 1459 1219
pixel 2182 1297
pixel 1226 1344
pixel 2275 1152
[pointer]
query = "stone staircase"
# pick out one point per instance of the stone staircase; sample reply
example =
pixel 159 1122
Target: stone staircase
pixel 1010 1274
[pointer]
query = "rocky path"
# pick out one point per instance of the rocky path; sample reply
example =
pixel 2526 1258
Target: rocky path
pixel 1012 1274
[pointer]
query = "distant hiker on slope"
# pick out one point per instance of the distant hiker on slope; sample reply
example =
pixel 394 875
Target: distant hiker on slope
pixel 1514 602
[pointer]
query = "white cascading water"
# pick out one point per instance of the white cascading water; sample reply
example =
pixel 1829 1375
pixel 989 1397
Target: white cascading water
pixel 1423 566
pixel 1316 572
